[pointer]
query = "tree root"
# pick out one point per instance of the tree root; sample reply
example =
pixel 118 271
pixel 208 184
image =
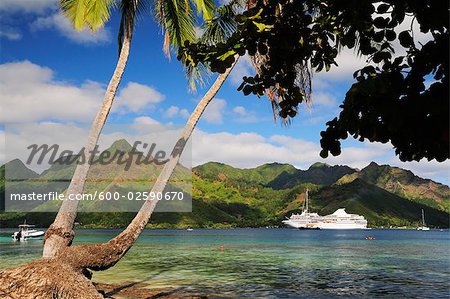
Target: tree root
pixel 47 278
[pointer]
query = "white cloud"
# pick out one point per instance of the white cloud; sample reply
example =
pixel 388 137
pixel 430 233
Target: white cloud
pixel 174 111
pixel 31 93
pixel 251 149
pixel 29 6
pixel 243 67
pixel 62 25
pixel 323 99
pixel 184 113
pixel 214 111
pixel 427 169
pixel 242 115
pixel 10 34
pixel 240 110
pixel 348 62
pixel 137 97
pixel 146 120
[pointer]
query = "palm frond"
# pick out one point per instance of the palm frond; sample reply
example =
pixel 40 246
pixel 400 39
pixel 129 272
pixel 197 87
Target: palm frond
pixel 98 13
pixel 75 11
pixel 176 21
pixel 205 8
pixel 219 28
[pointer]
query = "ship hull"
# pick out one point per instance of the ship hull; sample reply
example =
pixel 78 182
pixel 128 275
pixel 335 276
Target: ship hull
pixel 341 226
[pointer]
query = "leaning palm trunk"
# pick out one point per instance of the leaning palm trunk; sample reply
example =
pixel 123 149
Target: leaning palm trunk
pixel 60 233
pixel 106 255
pixel 66 275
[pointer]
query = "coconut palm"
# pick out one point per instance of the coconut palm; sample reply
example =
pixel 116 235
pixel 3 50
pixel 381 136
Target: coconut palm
pixel 105 255
pixel 176 19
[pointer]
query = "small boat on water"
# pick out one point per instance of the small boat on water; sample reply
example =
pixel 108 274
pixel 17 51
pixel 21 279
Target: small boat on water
pixel 26 232
pixel 423 227
pixel 338 220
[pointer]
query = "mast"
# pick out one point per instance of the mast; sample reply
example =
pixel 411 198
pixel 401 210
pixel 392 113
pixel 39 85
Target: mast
pixel 306 200
pixel 423 218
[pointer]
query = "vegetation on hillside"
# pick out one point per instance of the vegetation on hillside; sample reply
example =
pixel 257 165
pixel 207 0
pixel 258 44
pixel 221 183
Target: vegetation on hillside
pixel 225 196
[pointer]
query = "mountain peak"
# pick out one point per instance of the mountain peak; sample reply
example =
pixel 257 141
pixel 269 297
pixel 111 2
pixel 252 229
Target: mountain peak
pixel 319 164
pixel 17 170
pixel 120 145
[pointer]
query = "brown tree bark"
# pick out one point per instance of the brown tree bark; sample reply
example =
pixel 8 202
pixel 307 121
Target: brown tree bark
pixel 60 233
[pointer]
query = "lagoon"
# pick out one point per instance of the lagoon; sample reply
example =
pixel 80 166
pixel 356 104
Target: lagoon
pixel 272 263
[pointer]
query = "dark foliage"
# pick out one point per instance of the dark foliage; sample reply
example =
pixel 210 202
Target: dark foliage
pixel 402 99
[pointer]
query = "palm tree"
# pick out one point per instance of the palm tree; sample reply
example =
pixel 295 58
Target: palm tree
pixel 178 22
pixel 105 255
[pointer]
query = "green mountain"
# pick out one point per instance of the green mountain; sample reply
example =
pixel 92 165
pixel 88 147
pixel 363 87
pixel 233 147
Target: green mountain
pixel 318 173
pixel 380 207
pixel 16 170
pixel 260 175
pixel 403 183
pixel 226 196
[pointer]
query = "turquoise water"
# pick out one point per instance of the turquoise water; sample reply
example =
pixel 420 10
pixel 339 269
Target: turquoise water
pixel 273 263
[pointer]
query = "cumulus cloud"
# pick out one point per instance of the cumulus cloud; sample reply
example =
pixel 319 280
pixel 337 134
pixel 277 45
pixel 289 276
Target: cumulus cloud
pixel 135 97
pixel 323 99
pixel 175 111
pixel 242 115
pixel 146 120
pixel 214 112
pixel 240 110
pixel 32 93
pixel 252 149
pixel 242 68
pixel 62 25
pixel 348 62
pixel 10 34
pixel 28 6
pixel 184 113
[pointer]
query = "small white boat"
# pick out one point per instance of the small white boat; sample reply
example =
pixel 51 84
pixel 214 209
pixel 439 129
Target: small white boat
pixel 26 232
pixel 423 227
pixel 190 229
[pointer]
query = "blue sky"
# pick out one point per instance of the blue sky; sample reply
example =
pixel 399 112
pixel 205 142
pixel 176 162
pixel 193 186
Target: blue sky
pixel 49 72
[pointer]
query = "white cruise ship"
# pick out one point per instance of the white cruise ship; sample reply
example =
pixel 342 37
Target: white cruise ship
pixel 338 220
pixel 341 220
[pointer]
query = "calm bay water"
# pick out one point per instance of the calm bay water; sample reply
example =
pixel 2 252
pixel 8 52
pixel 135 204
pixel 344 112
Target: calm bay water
pixel 273 263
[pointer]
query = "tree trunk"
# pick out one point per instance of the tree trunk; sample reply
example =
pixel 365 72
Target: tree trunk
pixel 60 233
pixel 137 225
pixel 65 275
pixel 106 255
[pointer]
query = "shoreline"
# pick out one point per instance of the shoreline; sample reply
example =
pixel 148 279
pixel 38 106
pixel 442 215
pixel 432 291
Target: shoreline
pixel 132 290
pixel 7 229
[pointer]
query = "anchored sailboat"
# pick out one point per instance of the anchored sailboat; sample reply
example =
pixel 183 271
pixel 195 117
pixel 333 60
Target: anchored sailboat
pixel 423 227
pixel 305 220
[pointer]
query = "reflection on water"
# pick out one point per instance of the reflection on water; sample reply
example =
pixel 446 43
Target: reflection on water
pixel 274 263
